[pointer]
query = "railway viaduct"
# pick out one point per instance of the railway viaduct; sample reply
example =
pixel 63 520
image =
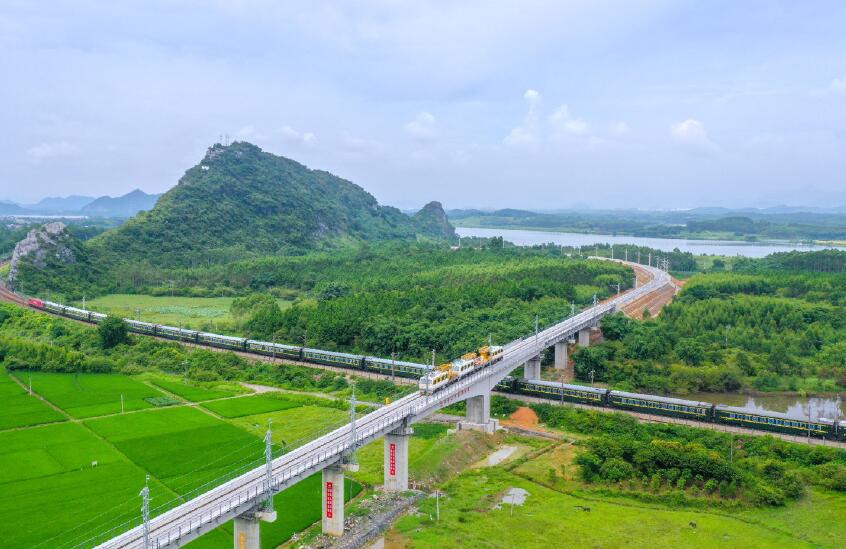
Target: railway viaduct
pixel 245 498
pixel 248 498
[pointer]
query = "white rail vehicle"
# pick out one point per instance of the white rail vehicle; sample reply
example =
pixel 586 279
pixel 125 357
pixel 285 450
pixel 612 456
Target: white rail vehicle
pixel 443 374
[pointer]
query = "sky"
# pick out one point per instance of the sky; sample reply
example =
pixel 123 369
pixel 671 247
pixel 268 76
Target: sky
pixel 478 104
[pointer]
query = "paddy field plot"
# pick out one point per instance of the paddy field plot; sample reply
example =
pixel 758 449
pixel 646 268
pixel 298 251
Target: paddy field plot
pixel 294 426
pixel 88 395
pixel 52 495
pixel 250 405
pixel 196 392
pixel 18 408
pixel 183 447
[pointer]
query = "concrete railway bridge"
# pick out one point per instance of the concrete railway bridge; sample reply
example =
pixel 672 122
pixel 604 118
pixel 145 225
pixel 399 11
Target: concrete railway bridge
pixel 245 498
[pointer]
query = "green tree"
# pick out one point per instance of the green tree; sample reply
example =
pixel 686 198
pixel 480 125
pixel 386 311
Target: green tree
pixel 112 332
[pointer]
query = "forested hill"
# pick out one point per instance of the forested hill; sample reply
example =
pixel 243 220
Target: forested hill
pixel 240 200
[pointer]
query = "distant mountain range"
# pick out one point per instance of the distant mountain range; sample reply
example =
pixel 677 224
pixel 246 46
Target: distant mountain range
pixel 105 206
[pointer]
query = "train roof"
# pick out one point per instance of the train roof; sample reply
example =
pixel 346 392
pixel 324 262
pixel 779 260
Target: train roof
pixel 598 390
pixel 331 353
pixel 741 410
pixel 218 336
pixel 398 362
pixel 668 400
pixel 279 345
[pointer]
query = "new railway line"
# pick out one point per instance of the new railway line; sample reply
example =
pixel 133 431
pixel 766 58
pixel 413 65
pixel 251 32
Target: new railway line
pixel 238 496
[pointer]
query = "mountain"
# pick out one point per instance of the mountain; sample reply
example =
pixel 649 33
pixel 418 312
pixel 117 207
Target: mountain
pixel 10 208
pixel 122 206
pixel 60 204
pixel 240 201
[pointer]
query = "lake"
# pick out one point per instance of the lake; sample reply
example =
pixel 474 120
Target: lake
pixel 697 247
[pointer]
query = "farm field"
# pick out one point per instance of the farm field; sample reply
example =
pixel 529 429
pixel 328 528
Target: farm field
pixel 197 392
pixel 189 312
pixel 250 405
pixel 50 488
pixel 294 424
pixel 89 395
pixel 19 409
pixel 183 447
pixel 472 515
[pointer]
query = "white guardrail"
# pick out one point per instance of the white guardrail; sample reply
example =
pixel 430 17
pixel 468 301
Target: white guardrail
pixel 183 523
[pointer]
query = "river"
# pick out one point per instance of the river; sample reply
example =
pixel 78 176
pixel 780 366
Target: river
pixel 697 247
pixel 794 406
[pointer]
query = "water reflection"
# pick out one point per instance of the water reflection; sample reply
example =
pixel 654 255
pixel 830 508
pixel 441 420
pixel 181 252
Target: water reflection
pixel 794 406
pixel 697 247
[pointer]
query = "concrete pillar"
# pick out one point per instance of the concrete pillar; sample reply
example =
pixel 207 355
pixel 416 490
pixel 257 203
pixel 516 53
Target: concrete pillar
pixel 561 355
pixel 479 409
pixel 333 501
pixel 247 532
pixel 396 460
pixel 532 368
pixel 584 337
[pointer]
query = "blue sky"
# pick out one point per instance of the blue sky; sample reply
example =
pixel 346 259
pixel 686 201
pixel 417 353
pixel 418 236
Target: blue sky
pixel 486 104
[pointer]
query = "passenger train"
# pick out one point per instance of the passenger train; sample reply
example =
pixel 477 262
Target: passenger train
pixel 431 379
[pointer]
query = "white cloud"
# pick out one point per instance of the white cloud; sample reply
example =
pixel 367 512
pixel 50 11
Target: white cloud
pixel 563 123
pixel 526 135
pixel 46 151
pixel 619 128
pixel 691 133
pixel 291 135
pixel 359 147
pixel 250 133
pixel 838 85
pixel 422 128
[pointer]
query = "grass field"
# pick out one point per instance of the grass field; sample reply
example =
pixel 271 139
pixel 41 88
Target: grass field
pixel 294 425
pixel 50 488
pixel 470 518
pixel 88 395
pixel 189 312
pixel 18 408
pixel 182 447
pixel 251 405
pixel 197 392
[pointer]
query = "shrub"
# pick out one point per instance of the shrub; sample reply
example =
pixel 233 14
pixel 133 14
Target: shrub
pixel 112 331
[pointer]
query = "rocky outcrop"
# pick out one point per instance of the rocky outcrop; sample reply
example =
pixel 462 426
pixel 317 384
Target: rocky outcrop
pixel 432 220
pixel 39 245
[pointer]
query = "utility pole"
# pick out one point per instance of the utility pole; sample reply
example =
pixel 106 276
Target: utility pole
pixel 433 359
pixel 352 426
pixel 393 365
pixel 649 260
pixel 273 350
pixel 595 300
pixel 30 383
pixel 612 251
pixel 618 288
pixel 638 257
pixel 572 308
pixel 437 505
pixel 592 372
pixel 83 301
pixel 536 326
pixel 145 511
pixel 268 457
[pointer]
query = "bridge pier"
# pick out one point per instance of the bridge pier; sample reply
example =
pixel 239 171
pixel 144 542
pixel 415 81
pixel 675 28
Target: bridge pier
pixel 479 414
pixel 333 500
pixel 247 532
pixel 584 337
pixel 562 361
pixel 532 368
pixel 396 459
